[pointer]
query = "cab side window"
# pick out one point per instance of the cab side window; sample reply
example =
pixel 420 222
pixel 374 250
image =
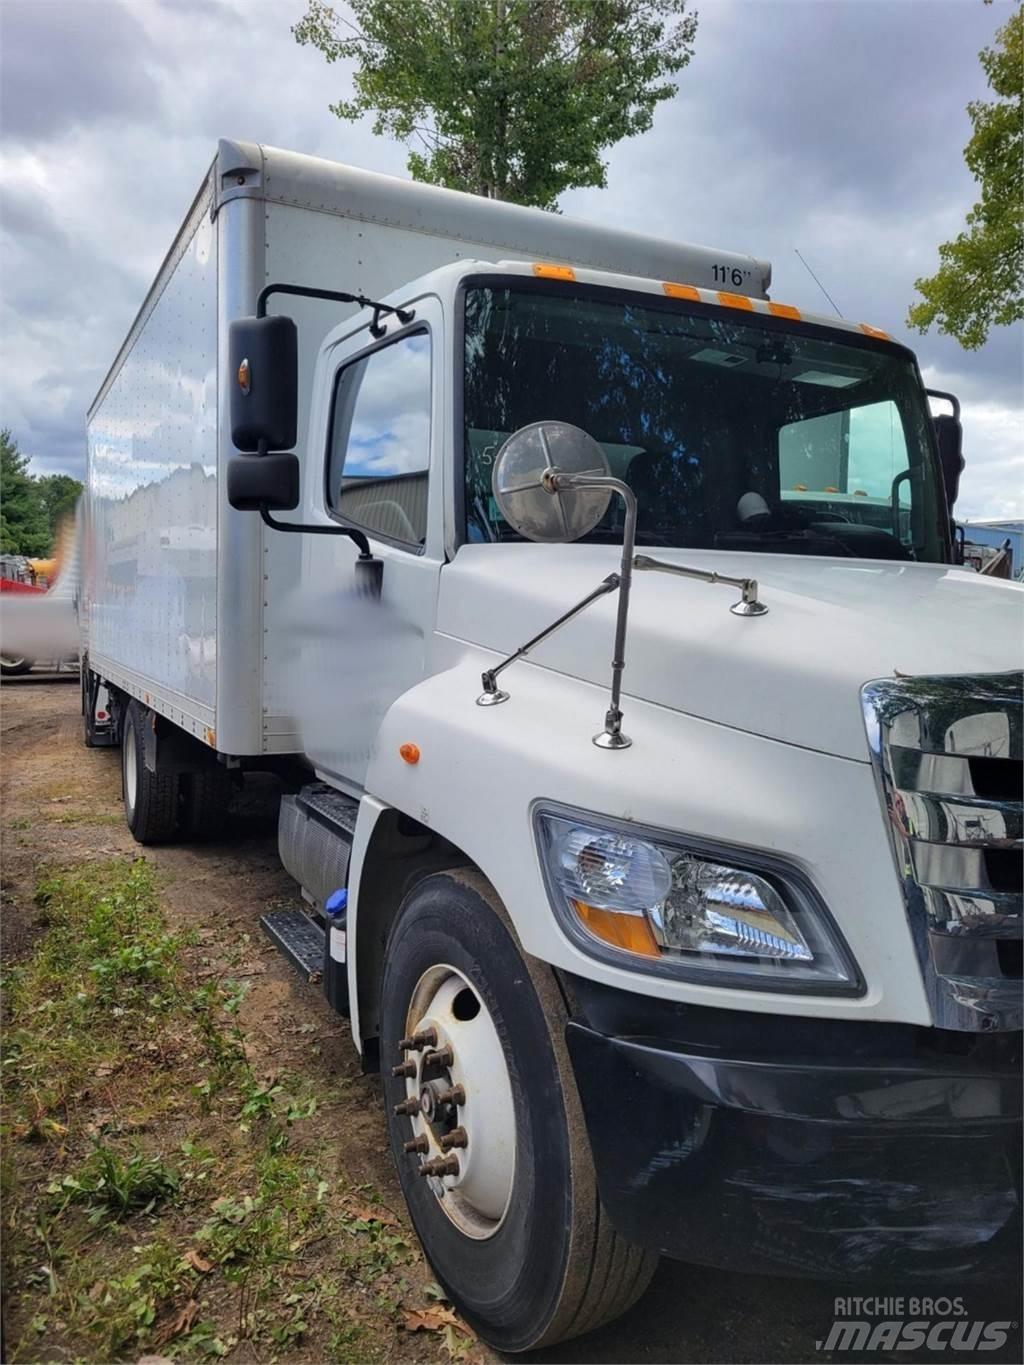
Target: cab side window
pixel 380 441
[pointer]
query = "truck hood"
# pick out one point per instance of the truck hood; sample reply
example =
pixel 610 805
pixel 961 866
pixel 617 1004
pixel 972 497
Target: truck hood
pixel 792 675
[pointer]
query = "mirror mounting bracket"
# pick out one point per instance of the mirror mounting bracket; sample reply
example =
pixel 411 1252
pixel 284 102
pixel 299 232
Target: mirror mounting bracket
pixel 748 605
pixel 333 296
pixel 361 543
pixel 492 695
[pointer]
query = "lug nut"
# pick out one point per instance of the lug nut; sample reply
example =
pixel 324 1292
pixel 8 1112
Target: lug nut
pixel 458 1137
pixel 409 1106
pixel 404 1069
pixel 453 1095
pixel 417 1144
pixel 427 1037
pixel 406 1044
pixel 439 1059
pixel 440 1165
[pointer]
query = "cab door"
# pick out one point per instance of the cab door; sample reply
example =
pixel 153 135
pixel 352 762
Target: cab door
pixel 379 440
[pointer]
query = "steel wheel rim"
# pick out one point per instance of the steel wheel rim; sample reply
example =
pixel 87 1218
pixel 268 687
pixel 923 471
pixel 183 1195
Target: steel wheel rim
pixel 131 774
pixel 458 1095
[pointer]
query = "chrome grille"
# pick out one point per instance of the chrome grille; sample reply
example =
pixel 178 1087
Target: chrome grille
pixel 949 759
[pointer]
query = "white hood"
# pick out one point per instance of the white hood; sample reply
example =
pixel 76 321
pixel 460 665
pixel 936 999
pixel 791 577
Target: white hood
pixel 793 675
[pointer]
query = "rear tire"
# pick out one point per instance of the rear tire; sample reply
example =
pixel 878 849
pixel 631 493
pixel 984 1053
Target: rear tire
pixel 207 792
pixel 150 799
pixel 534 1260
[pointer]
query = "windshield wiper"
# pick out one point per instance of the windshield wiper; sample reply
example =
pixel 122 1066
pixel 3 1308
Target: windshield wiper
pixel 737 540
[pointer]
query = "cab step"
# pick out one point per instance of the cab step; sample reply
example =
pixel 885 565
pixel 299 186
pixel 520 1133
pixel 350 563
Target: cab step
pixel 299 938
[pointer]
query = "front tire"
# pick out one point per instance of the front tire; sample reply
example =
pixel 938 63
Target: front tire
pixel 150 798
pixel 513 1226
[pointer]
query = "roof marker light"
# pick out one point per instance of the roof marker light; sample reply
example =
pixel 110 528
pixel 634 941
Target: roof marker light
pixel 735 301
pixel 875 332
pixel 553 272
pixel 784 310
pixel 682 291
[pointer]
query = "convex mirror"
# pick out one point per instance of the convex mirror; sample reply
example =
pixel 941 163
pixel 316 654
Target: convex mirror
pixel 529 505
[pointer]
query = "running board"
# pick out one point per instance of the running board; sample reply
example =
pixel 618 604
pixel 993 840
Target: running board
pixel 299 939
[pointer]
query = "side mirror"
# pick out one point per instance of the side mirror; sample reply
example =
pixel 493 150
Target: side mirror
pixel 263 370
pixel 949 437
pixel 257 482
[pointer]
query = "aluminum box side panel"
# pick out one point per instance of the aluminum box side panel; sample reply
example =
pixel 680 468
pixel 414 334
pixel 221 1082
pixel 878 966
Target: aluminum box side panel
pixel 496 230
pixel 151 553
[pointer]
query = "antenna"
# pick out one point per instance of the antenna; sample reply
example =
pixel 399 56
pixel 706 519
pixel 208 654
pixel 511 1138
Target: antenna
pixel 818 283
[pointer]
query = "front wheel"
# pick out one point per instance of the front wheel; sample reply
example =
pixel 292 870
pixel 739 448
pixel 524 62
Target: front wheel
pixel 486 1127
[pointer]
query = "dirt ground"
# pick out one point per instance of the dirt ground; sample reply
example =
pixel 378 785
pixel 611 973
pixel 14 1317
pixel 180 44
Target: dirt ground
pixel 61 807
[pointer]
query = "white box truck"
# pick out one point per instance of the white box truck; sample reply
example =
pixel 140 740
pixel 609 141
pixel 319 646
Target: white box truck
pixel 654 772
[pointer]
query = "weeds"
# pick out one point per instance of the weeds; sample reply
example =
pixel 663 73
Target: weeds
pixel 128 1249
pixel 112 1186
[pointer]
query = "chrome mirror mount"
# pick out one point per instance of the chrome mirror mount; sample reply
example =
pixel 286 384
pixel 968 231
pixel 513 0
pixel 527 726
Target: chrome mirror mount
pixel 552 483
pixel 526 474
pixel 748 605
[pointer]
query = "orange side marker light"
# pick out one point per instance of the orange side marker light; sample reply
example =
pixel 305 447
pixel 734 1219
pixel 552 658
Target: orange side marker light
pixel 409 753
pixel 553 272
pixel 681 291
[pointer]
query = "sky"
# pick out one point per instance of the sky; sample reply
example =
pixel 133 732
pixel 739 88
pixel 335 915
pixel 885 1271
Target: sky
pixel 832 127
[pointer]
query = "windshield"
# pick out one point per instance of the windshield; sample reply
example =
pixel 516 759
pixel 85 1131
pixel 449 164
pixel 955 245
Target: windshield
pixel 734 431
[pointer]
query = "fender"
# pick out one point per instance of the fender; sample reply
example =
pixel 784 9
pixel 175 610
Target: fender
pixel 481 769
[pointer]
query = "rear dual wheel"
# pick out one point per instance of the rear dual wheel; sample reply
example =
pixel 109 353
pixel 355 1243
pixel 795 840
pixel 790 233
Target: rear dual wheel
pixel 486 1128
pixel 150 798
pixel 161 805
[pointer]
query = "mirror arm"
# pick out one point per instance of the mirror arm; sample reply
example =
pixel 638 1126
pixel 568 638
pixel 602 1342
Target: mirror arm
pixel 362 544
pixel 611 737
pixel 748 605
pixel 333 296
pixel 492 695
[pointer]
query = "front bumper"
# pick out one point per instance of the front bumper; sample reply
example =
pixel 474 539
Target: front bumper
pixel 796 1146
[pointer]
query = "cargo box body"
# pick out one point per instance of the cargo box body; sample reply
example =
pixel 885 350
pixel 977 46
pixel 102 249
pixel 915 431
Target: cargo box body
pixel 181 594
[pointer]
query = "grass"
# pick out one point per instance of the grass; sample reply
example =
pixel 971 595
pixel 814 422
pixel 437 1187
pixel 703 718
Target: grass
pixel 158 1195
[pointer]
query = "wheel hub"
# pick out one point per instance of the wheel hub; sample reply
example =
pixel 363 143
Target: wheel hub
pixel 458 1098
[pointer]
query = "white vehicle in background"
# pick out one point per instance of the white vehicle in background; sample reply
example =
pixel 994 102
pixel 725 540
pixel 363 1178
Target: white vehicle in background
pixel 658 808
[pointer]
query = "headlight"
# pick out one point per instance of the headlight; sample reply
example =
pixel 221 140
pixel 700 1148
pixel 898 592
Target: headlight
pixel 688 909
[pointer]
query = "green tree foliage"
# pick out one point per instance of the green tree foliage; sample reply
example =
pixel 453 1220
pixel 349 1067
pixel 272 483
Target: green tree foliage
pixel 510 99
pixel 30 508
pixel 59 494
pixel 980 280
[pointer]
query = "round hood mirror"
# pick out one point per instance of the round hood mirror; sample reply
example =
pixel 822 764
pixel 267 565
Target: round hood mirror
pixel 527 503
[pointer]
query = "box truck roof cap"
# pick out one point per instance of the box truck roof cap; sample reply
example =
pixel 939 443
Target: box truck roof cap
pixel 249 170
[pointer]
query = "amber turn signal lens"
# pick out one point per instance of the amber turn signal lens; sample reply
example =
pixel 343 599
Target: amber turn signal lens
pixel 244 377
pixel 409 752
pixel 631 932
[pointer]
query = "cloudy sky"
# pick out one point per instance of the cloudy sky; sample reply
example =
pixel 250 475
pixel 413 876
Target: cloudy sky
pixel 832 126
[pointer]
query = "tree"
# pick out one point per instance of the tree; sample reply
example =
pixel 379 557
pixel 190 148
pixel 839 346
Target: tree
pixel 510 99
pixel 58 493
pixel 23 526
pixel 980 280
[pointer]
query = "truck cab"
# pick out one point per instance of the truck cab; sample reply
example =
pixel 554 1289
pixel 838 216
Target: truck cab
pixel 773 934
